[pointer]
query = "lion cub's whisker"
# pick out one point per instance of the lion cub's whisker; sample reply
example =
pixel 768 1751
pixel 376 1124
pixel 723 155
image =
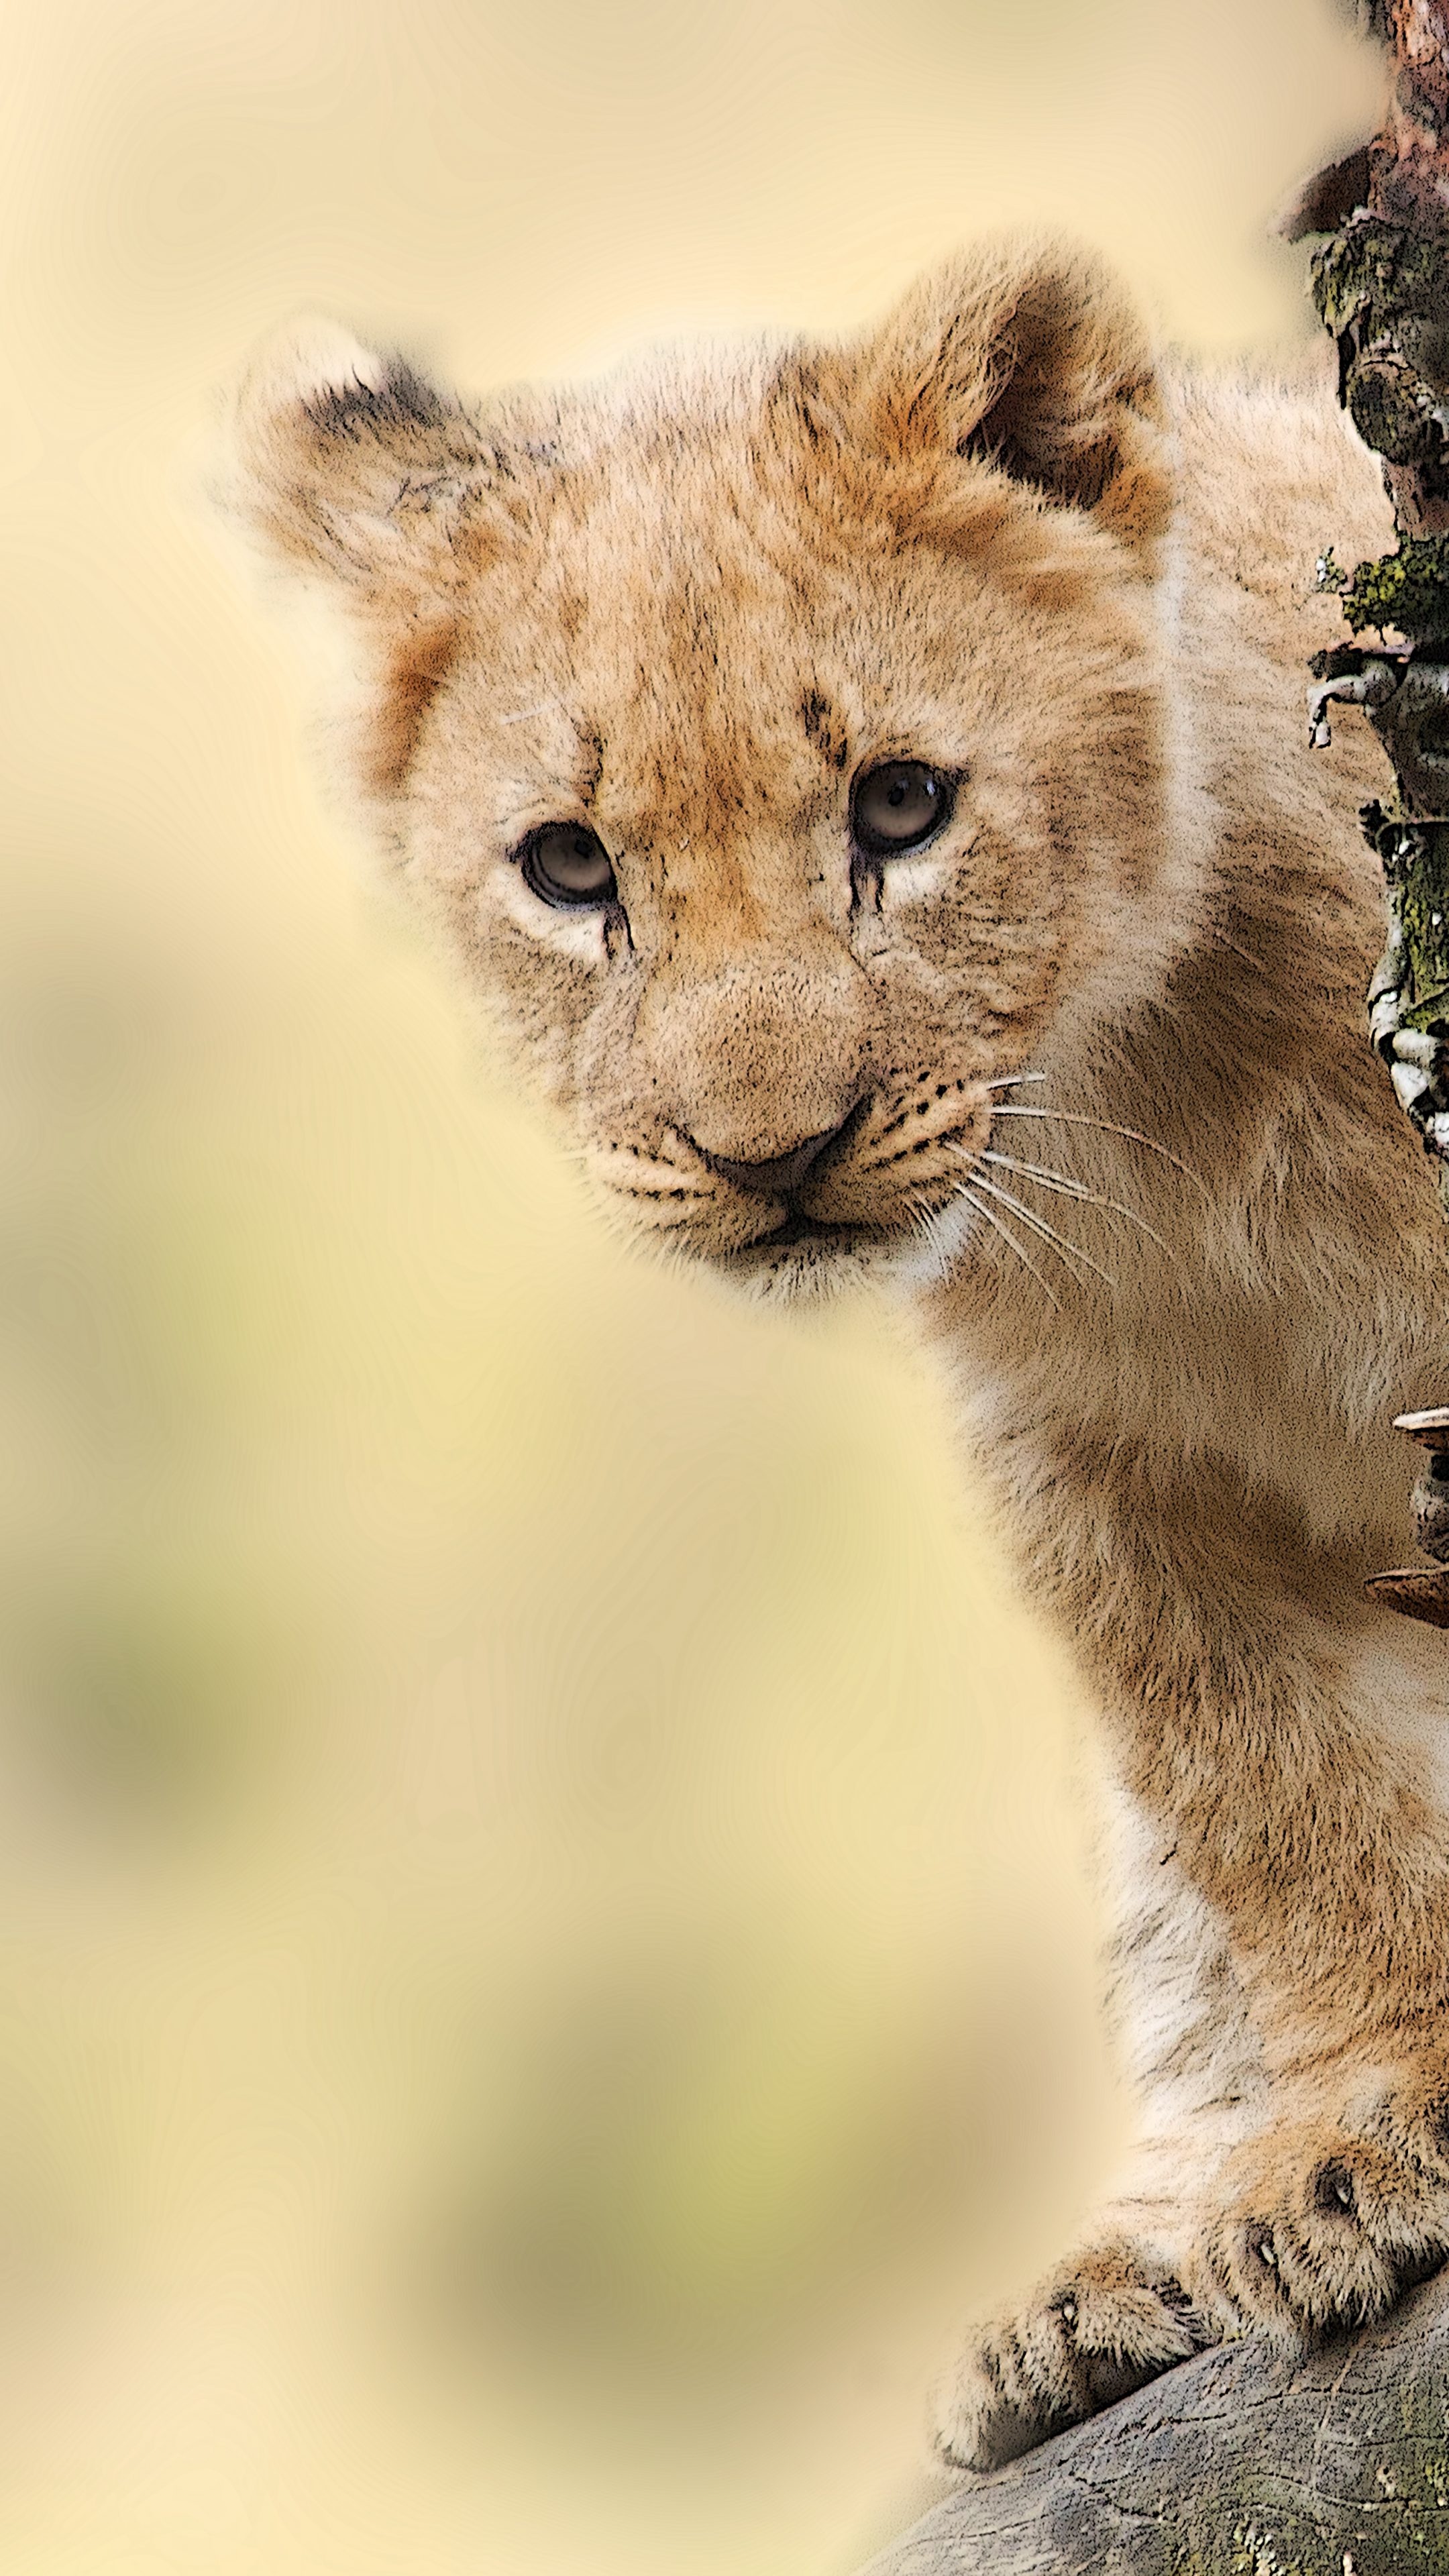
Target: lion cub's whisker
pixel 1066 1251
pixel 521 715
pixel 963 1190
pixel 1072 1189
pixel 1109 1127
pixel 925 1222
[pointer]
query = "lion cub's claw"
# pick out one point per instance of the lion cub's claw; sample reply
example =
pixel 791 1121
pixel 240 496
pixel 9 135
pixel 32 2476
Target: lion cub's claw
pixel 1094 2332
pixel 1333 2225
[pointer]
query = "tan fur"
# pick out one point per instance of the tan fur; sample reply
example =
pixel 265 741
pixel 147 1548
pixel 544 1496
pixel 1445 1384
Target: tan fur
pixel 687 608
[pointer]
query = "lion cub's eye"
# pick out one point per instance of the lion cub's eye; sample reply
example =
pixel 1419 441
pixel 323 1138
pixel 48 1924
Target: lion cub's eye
pixel 897 806
pixel 567 864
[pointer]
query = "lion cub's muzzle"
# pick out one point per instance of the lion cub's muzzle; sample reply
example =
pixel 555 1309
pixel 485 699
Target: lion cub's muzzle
pixel 862 1187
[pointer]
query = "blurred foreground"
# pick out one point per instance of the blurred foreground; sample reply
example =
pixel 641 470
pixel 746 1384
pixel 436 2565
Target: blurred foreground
pixel 542 1942
pixel 547 1946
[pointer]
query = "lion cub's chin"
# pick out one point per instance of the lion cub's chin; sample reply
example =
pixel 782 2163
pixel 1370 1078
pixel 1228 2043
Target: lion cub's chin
pixel 816 1266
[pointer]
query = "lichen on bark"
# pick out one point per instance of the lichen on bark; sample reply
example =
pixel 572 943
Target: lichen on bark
pixel 1406 592
pixel 1383 291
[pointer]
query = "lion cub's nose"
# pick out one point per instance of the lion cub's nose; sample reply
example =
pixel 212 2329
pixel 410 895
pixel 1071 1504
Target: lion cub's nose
pixel 780 1174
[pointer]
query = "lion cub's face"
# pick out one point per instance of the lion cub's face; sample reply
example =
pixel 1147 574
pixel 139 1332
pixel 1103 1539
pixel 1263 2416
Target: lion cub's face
pixel 781 742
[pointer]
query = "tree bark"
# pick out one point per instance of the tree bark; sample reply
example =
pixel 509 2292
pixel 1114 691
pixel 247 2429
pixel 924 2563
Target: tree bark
pixel 1236 2464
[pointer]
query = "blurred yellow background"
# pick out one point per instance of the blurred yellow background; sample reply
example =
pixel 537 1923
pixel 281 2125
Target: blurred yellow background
pixel 545 1906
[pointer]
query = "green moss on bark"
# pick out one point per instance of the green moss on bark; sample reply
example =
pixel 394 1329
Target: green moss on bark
pixel 1406 592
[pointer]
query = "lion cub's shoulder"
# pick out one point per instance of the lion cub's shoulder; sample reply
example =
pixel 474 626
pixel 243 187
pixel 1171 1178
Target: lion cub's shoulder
pixel 1271 474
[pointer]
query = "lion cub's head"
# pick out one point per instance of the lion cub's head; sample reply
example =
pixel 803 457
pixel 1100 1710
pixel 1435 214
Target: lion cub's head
pixel 780 735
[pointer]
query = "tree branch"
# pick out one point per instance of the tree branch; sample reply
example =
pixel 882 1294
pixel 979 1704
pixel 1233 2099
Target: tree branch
pixel 1236 2464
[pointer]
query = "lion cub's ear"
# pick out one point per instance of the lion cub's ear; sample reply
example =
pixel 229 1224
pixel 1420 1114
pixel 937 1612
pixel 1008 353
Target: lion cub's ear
pixel 350 464
pixel 356 472
pixel 1029 356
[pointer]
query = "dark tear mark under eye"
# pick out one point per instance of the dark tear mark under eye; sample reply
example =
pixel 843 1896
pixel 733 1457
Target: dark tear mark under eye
pixel 591 745
pixel 824 728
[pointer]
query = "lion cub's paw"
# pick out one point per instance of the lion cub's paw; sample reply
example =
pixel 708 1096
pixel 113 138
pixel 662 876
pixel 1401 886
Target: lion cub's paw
pixel 1325 2226
pixel 1111 2319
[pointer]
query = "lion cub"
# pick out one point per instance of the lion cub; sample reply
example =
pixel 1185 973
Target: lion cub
pixel 868 785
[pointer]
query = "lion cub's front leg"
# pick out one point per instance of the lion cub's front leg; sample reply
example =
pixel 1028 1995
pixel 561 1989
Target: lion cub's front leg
pixel 1289 2201
pixel 1281 1859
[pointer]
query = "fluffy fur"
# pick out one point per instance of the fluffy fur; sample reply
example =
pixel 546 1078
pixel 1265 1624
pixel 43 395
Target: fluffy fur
pixel 1119 996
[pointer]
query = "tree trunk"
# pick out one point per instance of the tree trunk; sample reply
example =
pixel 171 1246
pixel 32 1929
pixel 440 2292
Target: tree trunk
pixel 1382 288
